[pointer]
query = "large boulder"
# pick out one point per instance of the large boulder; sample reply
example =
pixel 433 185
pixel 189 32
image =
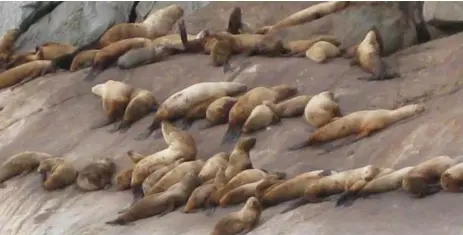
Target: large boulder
pixel 12 13
pixel 77 23
pixel 443 13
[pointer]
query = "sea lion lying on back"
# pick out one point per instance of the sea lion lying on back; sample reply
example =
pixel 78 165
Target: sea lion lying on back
pixel 24 73
pixel 96 175
pixel 24 162
pixel 180 102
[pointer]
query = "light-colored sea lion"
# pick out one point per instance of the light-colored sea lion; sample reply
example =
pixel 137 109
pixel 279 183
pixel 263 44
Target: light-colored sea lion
pixel 321 109
pixel 261 116
pixel 21 163
pixel 175 175
pixel 157 24
pixel 309 14
pixel 242 193
pixel 200 196
pixel 181 145
pixel 197 112
pixel 368 57
pixel 96 175
pixel 317 190
pixel 299 48
pixel 110 53
pixel 452 179
pixel 24 73
pixel 154 177
pixel 322 51
pixel 291 188
pixel 212 165
pixel 180 102
pixel 123 179
pixel 291 107
pixel 135 157
pixel 240 222
pixel 239 158
pixel 115 97
pixel 56 173
pixel 424 178
pixel 217 112
pixel 7 44
pixel 160 204
pixel 83 59
pixel 247 102
pixel 362 123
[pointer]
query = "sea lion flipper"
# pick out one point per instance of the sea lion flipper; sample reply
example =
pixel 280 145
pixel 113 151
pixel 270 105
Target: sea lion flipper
pixel 117 221
pixel 346 198
pixel 92 74
pixel 102 123
pixel 234 21
pixel 300 202
pixel 170 207
pixel 186 124
pixel 354 61
pixel 232 134
pixel 433 189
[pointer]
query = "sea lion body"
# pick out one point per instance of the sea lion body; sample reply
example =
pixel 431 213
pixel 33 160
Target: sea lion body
pixel 385 183
pixel 322 51
pixel 24 73
pixel 261 116
pixel 96 175
pixel 7 44
pixel 321 109
pixel 452 179
pixel 53 50
pixel 424 178
pixel 17 59
pixel 240 222
pixel 56 173
pixel 212 166
pixel 217 112
pixel 23 162
pixel 154 177
pixel 83 59
pixel 291 107
pixel 201 195
pixel 142 102
pixel 239 158
pixel 300 47
pixel 123 179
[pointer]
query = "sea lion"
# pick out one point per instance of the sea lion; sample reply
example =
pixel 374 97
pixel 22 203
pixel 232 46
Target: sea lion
pixel 197 112
pixel 142 102
pixel 212 165
pixel 200 196
pixel 309 14
pixel 83 59
pixel 115 97
pixel 96 175
pixel 291 188
pixel 20 58
pixel 160 204
pixel 261 116
pixel 317 190
pixel 109 54
pixel 53 50
pixel 157 24
pixel 24 73
pixel 181 145
pixel 123 179
pixel 217 112
pixel 56 173
pixel 239 158
pixel 452 179
pixel 242 193
pixel 291 107
pixel 154 177
pixel 322 51
pixel 368 56
pixel 247 102
pixel 240 222
pixel 175 175
pixel 424 178
pixel 180 102
pixel 7 44
pixel 321 109
pixel 299 48
pixel 135 157
pixel 362 123
pixel 20 163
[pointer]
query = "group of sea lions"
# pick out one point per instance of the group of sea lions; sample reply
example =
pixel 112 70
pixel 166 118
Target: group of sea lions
pixel 174 177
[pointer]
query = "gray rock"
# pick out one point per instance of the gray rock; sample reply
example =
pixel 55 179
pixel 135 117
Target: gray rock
pixel 443 13
pixel 9 14
pixel 143 8
pixel 77 23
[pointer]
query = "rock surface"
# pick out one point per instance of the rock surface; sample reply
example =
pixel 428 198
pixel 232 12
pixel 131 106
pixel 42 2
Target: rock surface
pixel 443 13
pixel 9 14
pixel 53 114
pixel 143 8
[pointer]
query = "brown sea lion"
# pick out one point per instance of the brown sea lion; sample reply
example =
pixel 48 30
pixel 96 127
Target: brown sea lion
pixel 322 51
pixel 56 173
pixel 157 24
pixel 240 222
pixel 321 109
pixel 83 59
pixel 20 58
pixel 299 48
pixel 160 204
pixel 261 116
pixel 212 165
pixel 239 158
pixel 123 179
pixel 96 175
pixel 7 44
pixel 181 145
pixel 247 102
pixel 53 50
pixel 21 163
pixel 197 112
pixel 154 177
pixel 115 97
pixel 200 196
pixel 291 107
pixel 424 178
pixel 24 73
pixel 452 179
pixel 217 112
pixel 309 14
pixel 362 123
pixel 178 104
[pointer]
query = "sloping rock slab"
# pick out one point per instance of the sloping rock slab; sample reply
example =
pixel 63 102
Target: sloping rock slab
pixel 443 13
pixel 53 114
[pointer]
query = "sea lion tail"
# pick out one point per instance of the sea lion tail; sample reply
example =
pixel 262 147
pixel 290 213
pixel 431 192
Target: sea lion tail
pixel 300 202
pixel 92 74
pixel 232 134
pixel 118 221
pixel 347 198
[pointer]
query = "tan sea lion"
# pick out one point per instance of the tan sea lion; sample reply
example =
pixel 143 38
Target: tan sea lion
pixel 56 173
pixel 424 178
pixel 197 112
pixel 247 102
pixel 7 44
pixel 452 179
pixel 180 102
pixel 20 163
pixel 261 116
pixel 321 109
pixel 154 177
pixel 291 107
pixel 53 50
pixel 322 51
pixel 160 204
pixel 24 73
pixel 96 175
pixel 212 165
pixel 299 48
pixel 217 112
pixel 362 123
pixel 239 158
pixel 157 24
pixel 20 58
pixel 201 195
pixel 240 222
pixel 123 179
pixel 83 59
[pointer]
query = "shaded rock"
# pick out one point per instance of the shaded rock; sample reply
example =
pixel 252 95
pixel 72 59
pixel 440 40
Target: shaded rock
pixel 77 23
pixel 443 13
pixel 143 8
pixel 32 12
